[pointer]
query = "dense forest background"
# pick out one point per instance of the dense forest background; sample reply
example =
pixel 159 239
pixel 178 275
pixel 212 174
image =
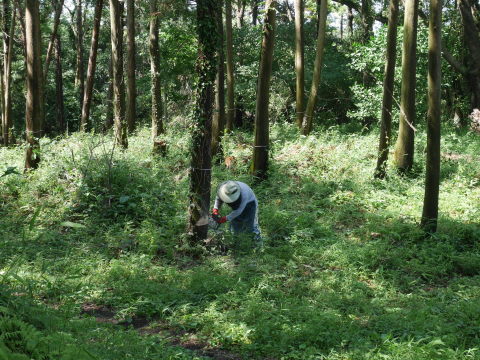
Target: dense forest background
pixel 356 123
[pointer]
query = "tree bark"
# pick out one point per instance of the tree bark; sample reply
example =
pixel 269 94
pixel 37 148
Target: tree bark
pixel 34 111
pixel 230 112
pixel 260 148
pixel 218 123
pixel 317 69
pixel 200 175
pixel 157 108
pixel 472 40
pixel 367 20
pixel 241 4
pixel 80 77
pixel 388 82
pixel 92 64
pixel 350 21
pixel 9 31
pixel 53 37
pixel 131 66
pixel 432 176
pixel 254 11
pixel 116 10
pixel 60 105
pixel 404 148
pixel 299 62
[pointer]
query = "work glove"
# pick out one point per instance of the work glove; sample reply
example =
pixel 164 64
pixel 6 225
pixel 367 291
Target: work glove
pixel 219 219
pixel 215 212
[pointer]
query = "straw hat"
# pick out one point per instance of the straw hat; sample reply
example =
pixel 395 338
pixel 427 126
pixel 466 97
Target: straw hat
pixel 229 191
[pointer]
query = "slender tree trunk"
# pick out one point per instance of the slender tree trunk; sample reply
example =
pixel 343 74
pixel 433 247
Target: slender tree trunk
pixel 218 123
pixel 241 12
pixel 131 66
pixel 260 148
pixel 34 107
pixel 230 77
pixel 60 107
pixel 116 10
pixel 157 108
pixel 341 26
pixel 254 11
pixel 432 178
pixel 299 62
pixel 388 82
pixel 7 74
pixel 200 175
pixel 367 20
pixel 317 69
pixel 290 15
pixel 404 147
pixel 79 77
pixel 472 40
pixel 53 36
pixel 92 64
pixel 350 21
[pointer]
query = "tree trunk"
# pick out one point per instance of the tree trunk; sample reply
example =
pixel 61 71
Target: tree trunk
pixel 260 148
pixel 230 76
pixel 289 11
pixel 367 20
pixel 350 21
pixel 79 77
pixel 317 69
pixel 241 4
pixel 388 82
pixel 116 10
pixel 472 40
pixel 200 175
pixel 60 106
pixel 92 64
pixel 218 123
pixel 53 37
pixel 299 62
pixel 432 176
pixel 7 74
pixel 109 119
pixel 404 147
pixel 254 11
pixel 131 66
pixel 34 99
pixel 157 108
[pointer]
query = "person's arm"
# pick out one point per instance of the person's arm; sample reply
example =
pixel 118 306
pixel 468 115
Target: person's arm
pixel 237 211
pixel 218 204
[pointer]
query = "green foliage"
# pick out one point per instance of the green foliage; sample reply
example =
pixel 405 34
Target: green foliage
pixel 344 274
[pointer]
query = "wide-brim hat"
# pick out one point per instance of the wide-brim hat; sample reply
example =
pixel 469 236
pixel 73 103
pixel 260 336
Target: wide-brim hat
pixel 229 191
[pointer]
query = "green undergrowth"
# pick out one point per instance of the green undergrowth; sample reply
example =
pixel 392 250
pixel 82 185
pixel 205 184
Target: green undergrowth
pixel 345 272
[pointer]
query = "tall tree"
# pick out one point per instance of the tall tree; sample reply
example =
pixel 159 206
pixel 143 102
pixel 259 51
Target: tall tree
pixel 116 10
pixel 388 82
pixel 56 22
pixel 79 76
pixel 472 40
pixel 317 69
pixel 9 30
pixel 218 123
pixel 60 104
pixel 157 107
pixel 299 61
pixel 34 111
pixel 432 177
pixel 131 67
pixel 92 64
pixel 230 78
pixel 254 11
pixel 404 147
pixel 200 175
pixel 241 5
pixel 260 148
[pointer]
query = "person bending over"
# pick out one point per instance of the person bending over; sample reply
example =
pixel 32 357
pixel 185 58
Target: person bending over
pixel 244 216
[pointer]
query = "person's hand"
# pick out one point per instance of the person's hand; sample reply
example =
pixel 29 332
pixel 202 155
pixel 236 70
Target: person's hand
pixel 221 220
pixel 215 212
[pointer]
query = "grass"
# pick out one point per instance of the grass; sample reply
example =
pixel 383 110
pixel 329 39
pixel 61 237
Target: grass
pixel 94 262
